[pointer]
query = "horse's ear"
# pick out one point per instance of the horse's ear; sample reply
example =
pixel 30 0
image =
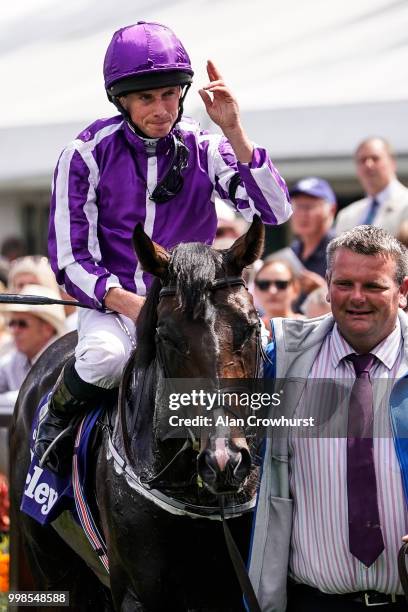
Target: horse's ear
pixel 249 247
pixel 153 257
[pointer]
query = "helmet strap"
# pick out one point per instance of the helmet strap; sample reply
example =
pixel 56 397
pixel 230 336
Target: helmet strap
pixel 181 102
pixel 126 115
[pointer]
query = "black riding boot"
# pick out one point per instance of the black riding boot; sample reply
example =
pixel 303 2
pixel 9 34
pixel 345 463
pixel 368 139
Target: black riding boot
pixel 70 399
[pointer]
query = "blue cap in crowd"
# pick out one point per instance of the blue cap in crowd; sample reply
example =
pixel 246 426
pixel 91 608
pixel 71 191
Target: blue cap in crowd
pixel 315 187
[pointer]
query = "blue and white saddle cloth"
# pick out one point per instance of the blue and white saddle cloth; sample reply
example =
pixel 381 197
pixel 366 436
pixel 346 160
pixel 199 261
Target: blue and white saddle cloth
pixel 47 495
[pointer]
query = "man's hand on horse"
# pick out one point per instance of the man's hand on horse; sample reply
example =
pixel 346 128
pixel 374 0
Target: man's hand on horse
pixel 124 302
pixel 223 109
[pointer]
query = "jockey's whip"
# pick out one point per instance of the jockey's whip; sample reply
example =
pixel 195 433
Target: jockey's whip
pixel 37 300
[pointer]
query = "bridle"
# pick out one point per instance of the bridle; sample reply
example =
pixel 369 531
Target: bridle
pixel 191 442
pixel 219 283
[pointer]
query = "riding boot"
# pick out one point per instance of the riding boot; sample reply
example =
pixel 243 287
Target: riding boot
pixel 70 399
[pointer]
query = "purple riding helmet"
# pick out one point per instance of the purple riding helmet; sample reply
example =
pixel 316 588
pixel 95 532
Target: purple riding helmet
pixel 144 56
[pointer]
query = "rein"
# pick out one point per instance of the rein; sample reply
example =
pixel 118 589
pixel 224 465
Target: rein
pixel 238 564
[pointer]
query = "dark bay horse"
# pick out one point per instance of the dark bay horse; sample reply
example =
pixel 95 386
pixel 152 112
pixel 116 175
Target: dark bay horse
pixel 157 495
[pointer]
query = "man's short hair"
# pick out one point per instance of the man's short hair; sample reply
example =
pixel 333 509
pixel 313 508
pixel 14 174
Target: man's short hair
pixel 370 240
pixel 387 145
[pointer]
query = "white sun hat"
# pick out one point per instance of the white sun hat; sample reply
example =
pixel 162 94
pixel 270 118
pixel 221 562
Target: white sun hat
pixel 53 314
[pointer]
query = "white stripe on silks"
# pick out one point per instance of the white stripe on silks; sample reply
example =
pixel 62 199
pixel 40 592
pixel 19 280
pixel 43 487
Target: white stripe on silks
pixel 212 151
pixel 248 213
pixel 187 124
pixel 218 167
pixel 82 279
pixel 151 181
pixel 65 258
pixel 74 271
pixel 99 136
pixel 272 193
pixel 85 150
pixel 91 212
pixel 62 218
pixel 320 553
pixel 222 170
pixel 90 208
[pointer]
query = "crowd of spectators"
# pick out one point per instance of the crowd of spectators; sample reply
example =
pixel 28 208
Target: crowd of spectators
pixel 25 330
pixel 291 282
pixel 288 283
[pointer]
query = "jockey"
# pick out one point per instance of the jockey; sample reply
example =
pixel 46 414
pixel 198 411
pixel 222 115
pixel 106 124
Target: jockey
pixel 146 165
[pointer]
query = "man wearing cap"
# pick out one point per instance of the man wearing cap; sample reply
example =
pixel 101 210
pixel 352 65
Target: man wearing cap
pixel 386 201
pixel 33 328
pixel 314 205
pixel 147 165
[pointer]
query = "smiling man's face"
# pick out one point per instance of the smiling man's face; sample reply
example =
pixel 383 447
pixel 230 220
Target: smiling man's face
pixel 364 297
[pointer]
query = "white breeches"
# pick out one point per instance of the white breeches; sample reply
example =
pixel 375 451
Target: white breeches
pixel 105 341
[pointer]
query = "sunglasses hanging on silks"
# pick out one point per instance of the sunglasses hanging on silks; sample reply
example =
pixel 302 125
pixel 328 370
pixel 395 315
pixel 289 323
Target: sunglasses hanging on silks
pixel 172 183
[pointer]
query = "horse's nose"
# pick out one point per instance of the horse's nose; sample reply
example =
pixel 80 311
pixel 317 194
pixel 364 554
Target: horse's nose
pixel 243 466
pixel 224 474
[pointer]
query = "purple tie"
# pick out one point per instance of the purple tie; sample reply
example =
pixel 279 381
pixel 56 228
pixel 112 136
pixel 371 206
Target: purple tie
pixel 365 537
pixel 372 211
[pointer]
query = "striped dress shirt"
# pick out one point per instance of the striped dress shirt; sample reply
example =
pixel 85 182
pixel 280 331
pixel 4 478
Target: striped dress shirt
pixel 320 555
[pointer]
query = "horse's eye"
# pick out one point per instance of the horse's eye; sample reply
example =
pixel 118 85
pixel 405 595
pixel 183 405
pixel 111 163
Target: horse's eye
pixel 171 342
pixel 241 335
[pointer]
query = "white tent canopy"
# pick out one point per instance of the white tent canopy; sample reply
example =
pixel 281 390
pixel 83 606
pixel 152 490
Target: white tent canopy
pixel 311 78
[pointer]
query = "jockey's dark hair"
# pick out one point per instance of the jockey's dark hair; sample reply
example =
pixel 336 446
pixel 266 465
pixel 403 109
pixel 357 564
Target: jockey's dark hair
pixel 370 240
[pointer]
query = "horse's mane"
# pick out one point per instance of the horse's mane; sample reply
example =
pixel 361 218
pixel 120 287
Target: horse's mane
pixel 192 268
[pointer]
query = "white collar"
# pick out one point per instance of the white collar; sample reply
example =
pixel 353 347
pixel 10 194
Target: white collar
pixel 385 194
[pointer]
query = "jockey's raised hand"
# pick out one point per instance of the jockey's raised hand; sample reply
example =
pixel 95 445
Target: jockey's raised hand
pixel 223 109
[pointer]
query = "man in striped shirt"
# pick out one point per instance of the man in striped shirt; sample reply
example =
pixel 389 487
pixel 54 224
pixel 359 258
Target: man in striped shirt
pixel 304 508
pixel 146 165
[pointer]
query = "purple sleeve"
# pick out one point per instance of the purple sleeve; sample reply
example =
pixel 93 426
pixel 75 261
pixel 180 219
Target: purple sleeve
pixel 73 244
pixel 261 190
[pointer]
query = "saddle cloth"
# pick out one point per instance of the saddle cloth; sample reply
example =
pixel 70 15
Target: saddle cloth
pixel 47 494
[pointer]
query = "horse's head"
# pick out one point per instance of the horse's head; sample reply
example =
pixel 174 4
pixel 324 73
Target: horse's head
pixel 207 328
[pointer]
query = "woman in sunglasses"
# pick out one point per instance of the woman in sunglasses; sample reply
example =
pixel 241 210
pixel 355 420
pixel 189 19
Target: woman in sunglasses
pixel 145 165
pixel 276 289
